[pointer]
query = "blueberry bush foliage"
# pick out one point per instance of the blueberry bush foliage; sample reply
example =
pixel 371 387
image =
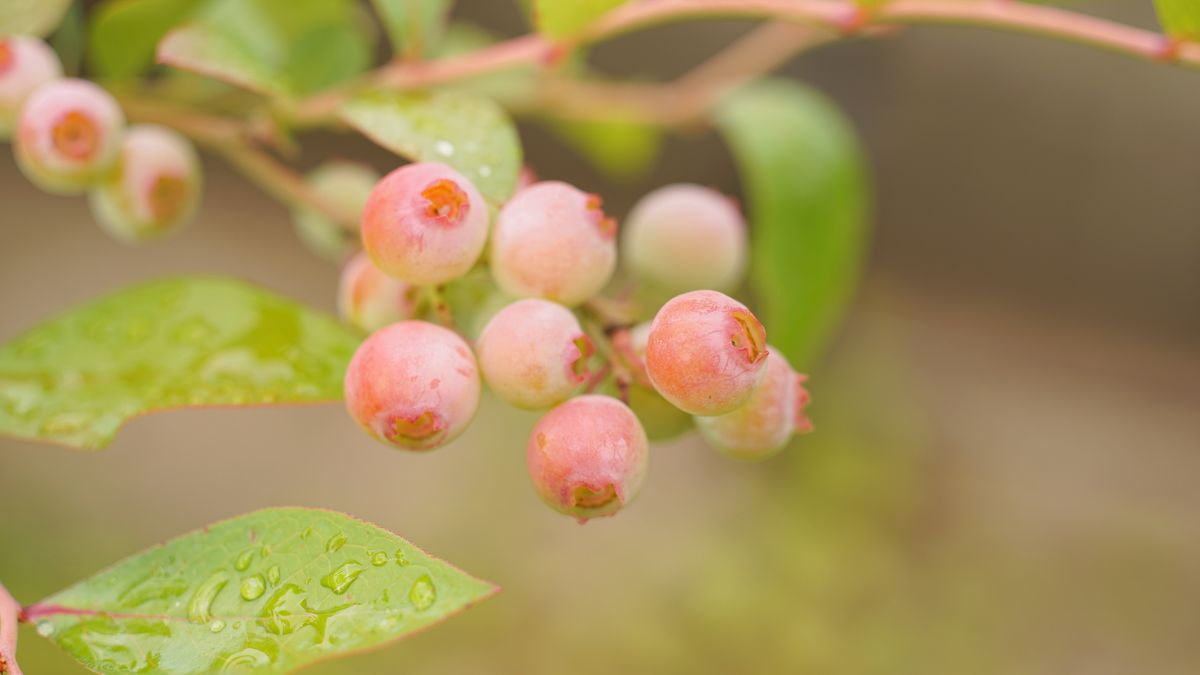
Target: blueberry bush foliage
pixel 461 268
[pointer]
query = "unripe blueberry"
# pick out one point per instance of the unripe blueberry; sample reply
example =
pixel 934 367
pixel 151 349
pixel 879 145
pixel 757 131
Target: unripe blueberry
pixel 68 135
pixel 706 352
pixel 425 223
pixel 413 385
pixel 762 426
pixel 25 64
pixel 368 299
pixel 683 237
pixel 533 353
pixel 155 189
pixel 552 241
pixel 346 186
pixel 661 420
pixel 588 457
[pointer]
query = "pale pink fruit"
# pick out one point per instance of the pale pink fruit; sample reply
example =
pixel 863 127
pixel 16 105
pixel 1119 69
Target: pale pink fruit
pixel 413 385
pixel 588 457
pixel 706 352
pixel 425 223
pixel 533 353
pixel 684 237
pixel 68 135
pixel 155 189
pixel 368 299
pixel 763 426
pixel 26 63
pixel 552 241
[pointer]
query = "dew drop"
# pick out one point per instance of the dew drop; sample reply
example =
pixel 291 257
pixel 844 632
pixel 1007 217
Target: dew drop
pixel 339 580
pixel 253 587
pixel 485 171
pixel 306 533
pixel 401 559
pixel 247 659
pixel 198 606
pixel 265 551
pixel 217 626
pixel 444 148
pixel 237 625
pixel 423 594
pixel 45 628
pixel 335 543
pixel 379 559
pixel 244 560
pixel 273 574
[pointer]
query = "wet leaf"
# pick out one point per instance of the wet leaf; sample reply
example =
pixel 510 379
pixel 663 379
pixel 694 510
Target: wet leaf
pixel 266 592
pixel 563 18
pixel 274 47
pixel 177 343
pixel 806 182
pixel 470 133
pixel 123 34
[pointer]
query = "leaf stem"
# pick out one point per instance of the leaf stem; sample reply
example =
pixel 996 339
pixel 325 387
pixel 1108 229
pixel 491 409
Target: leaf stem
pixel 10 615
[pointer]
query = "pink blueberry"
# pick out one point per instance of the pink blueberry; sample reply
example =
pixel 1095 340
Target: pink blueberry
pixel 26 63
pixel 425 223
pixel 587 457
pixel 68 135
pixel 368 299
pixel 661 420
pixel 553 241
pixel 533 353
pixel 413 385
pixel 155 189
pixel 706 352
pixel 763 426
pixel 684 237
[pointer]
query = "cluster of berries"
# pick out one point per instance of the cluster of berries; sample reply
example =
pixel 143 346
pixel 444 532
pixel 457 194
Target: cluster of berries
pixel 551 250
pixel 70 137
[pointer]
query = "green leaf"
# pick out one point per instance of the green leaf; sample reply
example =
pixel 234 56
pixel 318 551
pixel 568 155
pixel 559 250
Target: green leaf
pixel 805 179
pixel 274 47
pixel 414 27
pixel 1180 18
pixel 623 150
pixel 470 133
pixel 204 49
pixel 564 18
pixel 31 17
pixel 177 343
pixel 124 33
pixel 266 592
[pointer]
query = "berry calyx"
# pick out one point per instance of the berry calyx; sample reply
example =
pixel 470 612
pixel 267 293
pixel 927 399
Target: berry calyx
pixel 445 203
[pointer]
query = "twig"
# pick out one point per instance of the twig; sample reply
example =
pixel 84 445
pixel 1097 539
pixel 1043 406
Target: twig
pixel 846 17
pixel 281 182
pixel 10 613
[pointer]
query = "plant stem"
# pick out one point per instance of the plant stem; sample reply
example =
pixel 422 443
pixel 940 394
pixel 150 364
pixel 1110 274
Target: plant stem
pixel 281 182
pixel 846 17
pixel 10 613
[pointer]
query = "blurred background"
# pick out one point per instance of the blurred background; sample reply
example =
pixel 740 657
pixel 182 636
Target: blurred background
pixel 1008 426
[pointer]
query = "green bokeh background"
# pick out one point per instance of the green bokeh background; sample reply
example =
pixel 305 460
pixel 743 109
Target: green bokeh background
pixel 1008 427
